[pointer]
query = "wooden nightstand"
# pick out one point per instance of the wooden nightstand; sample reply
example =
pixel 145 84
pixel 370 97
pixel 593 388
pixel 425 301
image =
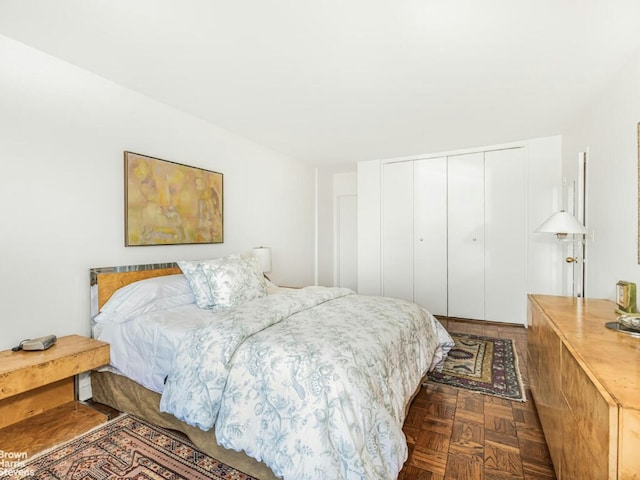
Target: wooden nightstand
pixel 38 406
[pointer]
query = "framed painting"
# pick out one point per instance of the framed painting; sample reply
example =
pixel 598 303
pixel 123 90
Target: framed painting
pixel 167 203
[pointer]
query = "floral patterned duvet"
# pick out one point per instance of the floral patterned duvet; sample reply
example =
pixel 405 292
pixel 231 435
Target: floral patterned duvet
pixel 313 382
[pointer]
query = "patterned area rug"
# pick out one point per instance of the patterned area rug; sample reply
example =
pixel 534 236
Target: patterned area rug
pixel 125 448
pixel 482 364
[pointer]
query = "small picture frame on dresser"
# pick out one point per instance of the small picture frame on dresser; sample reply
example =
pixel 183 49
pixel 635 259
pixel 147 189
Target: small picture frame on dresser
pixel 626 297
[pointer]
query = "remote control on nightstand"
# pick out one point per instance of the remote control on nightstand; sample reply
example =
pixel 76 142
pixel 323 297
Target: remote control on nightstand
pixel 40 343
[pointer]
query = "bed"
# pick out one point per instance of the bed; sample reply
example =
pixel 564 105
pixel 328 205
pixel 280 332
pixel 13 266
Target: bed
pixel 278 383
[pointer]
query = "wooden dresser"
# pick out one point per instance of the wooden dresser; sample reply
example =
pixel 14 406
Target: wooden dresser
pixel 585 381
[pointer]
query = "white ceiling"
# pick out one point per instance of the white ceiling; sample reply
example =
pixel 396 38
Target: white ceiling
pixel 332 82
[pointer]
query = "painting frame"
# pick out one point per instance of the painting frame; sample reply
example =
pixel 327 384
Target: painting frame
pixel 169 203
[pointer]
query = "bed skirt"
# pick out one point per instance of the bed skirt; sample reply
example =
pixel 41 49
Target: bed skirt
pixel 128 396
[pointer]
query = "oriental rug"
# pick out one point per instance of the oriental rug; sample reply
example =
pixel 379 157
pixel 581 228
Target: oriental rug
pixel 482 364
pixel 125 448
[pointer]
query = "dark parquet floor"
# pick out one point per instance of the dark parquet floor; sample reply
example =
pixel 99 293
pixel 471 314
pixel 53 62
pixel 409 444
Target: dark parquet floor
pixel 455 434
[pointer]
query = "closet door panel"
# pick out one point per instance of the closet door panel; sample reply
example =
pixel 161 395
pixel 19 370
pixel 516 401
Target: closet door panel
pixel 466 236
pixel 397 230
pixel 505 235
pixel 430 234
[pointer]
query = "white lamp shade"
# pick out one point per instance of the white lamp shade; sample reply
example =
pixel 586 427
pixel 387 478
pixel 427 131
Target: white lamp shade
pixel 263 254
pixel 561 223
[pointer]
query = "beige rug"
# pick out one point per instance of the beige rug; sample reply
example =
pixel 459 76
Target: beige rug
pixel 124 448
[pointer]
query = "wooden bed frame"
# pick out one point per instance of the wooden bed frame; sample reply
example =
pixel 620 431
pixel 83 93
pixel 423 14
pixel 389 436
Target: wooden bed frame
pixel 128 396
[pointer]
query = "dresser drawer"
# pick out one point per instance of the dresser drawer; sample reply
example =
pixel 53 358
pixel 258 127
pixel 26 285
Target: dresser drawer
pixel 590 425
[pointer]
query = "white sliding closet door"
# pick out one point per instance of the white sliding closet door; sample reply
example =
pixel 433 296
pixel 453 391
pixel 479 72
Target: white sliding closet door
pixel 430 234
pixel 505 235
pixel 454 234
pixel 397 230
pixel 466 236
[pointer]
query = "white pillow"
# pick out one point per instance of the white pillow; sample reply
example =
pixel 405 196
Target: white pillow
pixel 197 282
pixel 234 282
pixel 225 282
pixel 144 296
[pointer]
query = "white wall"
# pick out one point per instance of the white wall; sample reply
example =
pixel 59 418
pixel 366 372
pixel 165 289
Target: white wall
pixel 608 129
pixel 369 227
pixel 546 253
pixel 62 136
pixel 334 190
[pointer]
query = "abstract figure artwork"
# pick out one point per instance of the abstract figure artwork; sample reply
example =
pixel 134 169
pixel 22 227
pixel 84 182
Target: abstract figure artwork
pixel 168 203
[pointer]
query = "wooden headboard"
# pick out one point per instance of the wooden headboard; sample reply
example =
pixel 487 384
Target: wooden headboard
pixel 106 280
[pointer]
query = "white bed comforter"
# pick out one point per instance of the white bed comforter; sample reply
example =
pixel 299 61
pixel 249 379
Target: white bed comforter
pixel 313 382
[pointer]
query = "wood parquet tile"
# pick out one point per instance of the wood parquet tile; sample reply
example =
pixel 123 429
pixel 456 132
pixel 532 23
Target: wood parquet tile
pixel 455 434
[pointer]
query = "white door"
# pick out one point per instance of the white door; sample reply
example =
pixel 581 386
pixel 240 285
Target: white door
pixel 505 236
pixel 347 240
pixel 466 235
pixel 430 234
pixel 397 230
